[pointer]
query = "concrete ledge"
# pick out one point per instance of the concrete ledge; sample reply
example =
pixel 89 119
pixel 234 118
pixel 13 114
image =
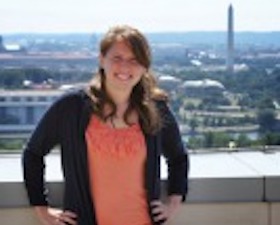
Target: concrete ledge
pixel 272 188
pixel 18 216
pixel 226 190
pixel 204 190
pixel 190 214
pixel 223 214
pixel 13 194
pixel 221 177
pixel 275 213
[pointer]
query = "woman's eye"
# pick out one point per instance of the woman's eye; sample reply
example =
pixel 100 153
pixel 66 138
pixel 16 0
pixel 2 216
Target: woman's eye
pixel 133 62
pixel 117 59
pixel 120 60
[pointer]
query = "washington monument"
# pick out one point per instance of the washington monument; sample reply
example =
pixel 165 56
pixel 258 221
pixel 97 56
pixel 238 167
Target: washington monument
pixel 230 41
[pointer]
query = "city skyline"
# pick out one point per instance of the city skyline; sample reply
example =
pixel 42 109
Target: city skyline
pixel 20 16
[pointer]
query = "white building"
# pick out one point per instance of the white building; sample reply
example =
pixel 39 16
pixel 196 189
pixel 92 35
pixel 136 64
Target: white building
pixel 20 110
pixel 169 83
pixel 196 88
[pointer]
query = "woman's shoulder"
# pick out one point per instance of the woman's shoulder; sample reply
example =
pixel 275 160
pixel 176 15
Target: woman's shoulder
pixel 73 95
pixel 72 99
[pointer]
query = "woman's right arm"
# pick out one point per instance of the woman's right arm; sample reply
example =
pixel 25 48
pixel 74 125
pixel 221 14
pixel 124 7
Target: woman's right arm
pixel 44 138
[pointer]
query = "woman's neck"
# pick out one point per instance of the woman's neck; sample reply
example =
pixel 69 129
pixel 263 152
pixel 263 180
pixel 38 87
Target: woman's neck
pixel 120 97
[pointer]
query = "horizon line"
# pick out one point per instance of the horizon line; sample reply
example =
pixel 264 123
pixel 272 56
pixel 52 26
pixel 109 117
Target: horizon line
pixel 143 31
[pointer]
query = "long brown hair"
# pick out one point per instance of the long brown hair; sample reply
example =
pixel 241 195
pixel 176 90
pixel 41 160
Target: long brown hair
pixel 145 92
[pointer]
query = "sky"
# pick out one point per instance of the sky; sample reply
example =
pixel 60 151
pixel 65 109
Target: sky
pixel 45 16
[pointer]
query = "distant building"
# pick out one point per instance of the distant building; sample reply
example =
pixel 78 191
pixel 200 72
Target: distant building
pixel 230 41
pixel 11 48
pixel 21 110
pixel 168 82
pixel 199 88
pixel 2 48
pixel 14 48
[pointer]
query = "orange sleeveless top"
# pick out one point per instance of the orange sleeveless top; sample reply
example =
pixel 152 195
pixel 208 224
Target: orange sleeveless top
pixel 116 167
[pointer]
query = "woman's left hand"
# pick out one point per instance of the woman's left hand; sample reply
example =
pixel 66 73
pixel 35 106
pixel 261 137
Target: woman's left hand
pixel 163 212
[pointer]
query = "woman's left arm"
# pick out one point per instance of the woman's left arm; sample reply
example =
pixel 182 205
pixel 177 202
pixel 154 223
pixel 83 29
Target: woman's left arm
pixel 176 155
pixel 178 166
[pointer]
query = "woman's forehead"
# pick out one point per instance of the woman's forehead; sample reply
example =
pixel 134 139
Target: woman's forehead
pixel 121 47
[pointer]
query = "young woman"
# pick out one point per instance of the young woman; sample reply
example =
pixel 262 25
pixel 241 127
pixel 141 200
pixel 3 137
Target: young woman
pixel 111 137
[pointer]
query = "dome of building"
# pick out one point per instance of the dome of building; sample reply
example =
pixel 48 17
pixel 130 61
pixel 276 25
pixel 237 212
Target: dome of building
pixel 206 83
pixel 168 82
pixel 168 78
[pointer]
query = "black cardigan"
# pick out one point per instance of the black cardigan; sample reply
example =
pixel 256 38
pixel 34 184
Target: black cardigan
pixel 64 124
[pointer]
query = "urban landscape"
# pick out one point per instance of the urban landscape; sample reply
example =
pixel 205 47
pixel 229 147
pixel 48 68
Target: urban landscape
pixel 223 89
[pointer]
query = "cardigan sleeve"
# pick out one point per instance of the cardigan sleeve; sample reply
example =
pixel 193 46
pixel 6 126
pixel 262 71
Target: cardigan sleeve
pixel 176 155
pixel 43 139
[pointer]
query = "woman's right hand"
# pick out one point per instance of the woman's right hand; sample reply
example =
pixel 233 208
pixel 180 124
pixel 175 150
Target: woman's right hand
pixel 52 216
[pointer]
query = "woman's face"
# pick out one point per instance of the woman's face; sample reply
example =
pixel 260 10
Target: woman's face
pixel 121 68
